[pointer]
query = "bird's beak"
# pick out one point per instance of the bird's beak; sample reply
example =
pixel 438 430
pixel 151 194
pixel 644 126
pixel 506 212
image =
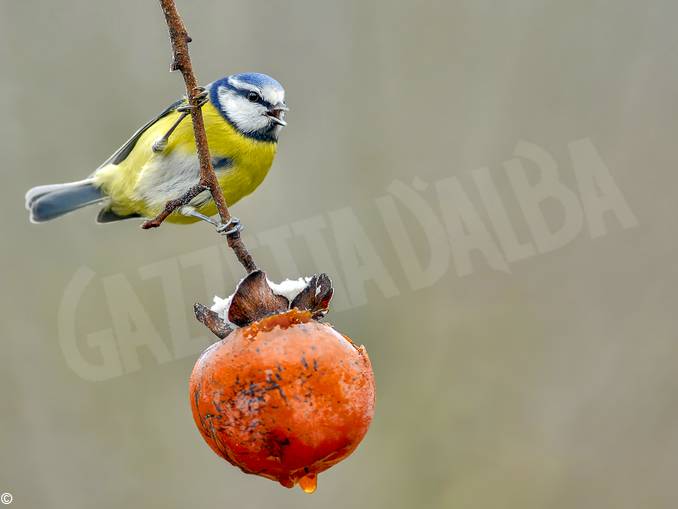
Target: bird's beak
pixel 277 112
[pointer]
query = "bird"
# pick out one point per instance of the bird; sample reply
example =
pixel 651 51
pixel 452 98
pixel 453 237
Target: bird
pixel 243 114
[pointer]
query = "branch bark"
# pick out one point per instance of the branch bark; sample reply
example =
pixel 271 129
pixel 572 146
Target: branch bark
pixel 181 61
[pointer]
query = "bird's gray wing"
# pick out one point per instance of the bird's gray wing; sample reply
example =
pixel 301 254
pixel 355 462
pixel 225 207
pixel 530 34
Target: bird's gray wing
pixel 121 154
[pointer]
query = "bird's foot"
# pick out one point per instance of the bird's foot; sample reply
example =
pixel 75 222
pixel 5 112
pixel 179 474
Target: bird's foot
pixel 233 226
pixel 185 109
pixel 229 228
pixel 201 97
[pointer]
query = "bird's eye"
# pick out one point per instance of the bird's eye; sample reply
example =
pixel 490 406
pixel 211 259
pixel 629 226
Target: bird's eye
pixel 253 97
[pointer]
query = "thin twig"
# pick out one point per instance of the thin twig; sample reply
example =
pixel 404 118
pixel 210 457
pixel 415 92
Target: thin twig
pixel 211 320
pixel 181 61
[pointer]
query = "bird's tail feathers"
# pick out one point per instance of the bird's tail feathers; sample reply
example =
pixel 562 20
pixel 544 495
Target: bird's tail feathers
pixel 51 201
pixel 36 192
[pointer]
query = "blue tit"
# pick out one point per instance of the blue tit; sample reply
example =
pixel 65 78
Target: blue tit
pixel 243 113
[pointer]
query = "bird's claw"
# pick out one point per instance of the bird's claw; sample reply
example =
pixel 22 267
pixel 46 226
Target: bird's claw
pixel 185 109
pixel 201 97
pixel 233 226
pixel 201 94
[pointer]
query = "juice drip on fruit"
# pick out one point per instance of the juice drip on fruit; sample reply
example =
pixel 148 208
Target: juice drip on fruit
pixel 309 483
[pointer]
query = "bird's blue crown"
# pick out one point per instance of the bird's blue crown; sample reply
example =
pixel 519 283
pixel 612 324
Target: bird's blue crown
pixel 255 79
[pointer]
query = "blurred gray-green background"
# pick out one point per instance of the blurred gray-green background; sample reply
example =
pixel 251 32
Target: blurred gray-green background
pixel 553 384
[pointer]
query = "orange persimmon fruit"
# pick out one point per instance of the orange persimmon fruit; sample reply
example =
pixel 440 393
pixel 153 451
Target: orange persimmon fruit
pixel 284 397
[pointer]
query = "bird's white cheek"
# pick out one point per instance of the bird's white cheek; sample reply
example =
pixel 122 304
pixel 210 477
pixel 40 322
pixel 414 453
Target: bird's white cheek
pixel 247 116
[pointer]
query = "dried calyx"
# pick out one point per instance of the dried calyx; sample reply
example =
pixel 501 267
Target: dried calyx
pixel 256 297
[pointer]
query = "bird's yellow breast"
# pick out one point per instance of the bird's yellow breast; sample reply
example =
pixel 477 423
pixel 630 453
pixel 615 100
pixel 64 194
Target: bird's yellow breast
pixel 146 180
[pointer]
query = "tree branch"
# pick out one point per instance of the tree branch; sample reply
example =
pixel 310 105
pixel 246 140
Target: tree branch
pixel 181 61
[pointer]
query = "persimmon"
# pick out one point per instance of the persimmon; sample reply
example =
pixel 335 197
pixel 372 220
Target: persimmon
pixel 282 396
